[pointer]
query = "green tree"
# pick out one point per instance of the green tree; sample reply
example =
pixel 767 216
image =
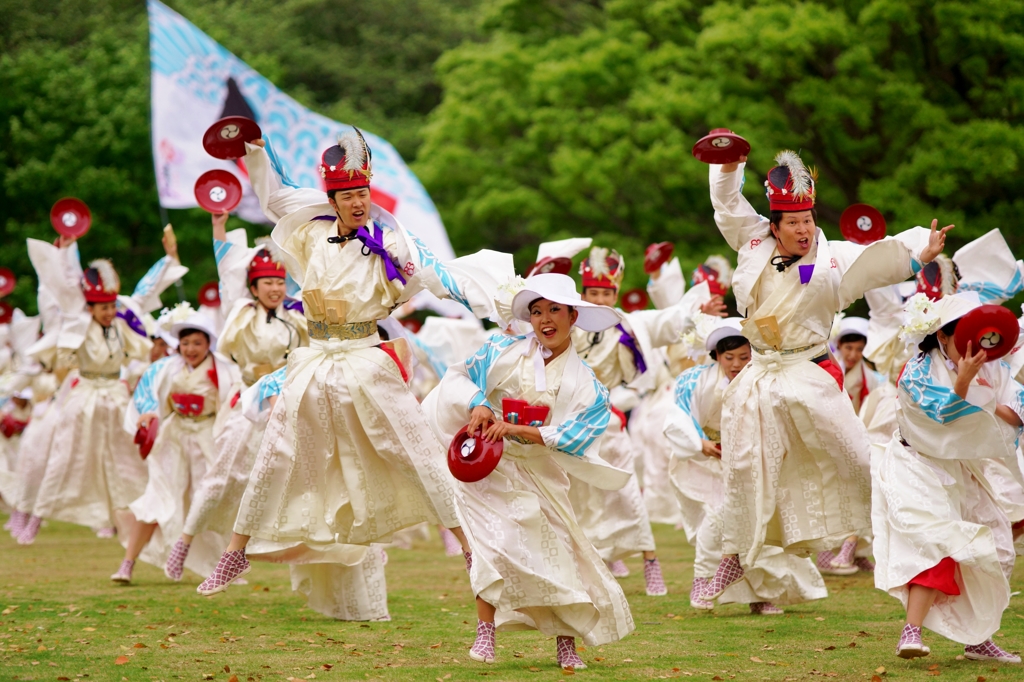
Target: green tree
pixel 74 105
pixel 583 125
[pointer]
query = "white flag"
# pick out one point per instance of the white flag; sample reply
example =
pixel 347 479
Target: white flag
pixel 196 81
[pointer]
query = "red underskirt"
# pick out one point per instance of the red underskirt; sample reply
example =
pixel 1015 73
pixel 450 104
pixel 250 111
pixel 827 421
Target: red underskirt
pixel 941 576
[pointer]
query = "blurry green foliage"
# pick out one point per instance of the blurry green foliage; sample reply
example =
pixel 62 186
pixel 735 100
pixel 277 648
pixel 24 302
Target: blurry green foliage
pixel 577 118
pixel 74 106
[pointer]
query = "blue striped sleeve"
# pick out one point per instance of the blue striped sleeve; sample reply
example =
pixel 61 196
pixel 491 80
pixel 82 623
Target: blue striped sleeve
pixel 939 403
pixel 992 293
pixel 150 279
pixel 479 364
pixel 439 367
pixel 270 385
pixel 221 249
pixel 145 395
pixel 686 384
pixel 429 260
pixel 576 434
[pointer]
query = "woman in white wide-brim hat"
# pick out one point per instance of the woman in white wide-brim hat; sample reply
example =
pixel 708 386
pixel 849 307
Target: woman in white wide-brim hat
pixel 532 566
pixel 184 393
pixel 943 542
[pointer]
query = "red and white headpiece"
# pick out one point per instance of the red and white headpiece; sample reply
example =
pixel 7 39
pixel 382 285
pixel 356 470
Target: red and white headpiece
pixel 603 269
pixel 717 272
pixel 348 164
pixel 937 279
pixel 790 185
pixel 100 282
pixel 264 265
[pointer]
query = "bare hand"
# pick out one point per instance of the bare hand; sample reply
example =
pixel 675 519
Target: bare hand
pixel 272 400
pixel 220 222
pixel 967 368
pixel 711 449
pixel 936 242
pixel 479 418
pixel 64 242
pixel 733 167
pixel 499 430
pixel 145 419
pixel 170 243
pixel 715 307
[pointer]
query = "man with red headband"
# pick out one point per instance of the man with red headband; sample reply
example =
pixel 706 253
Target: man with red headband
pixel 347 458
pixel 795 452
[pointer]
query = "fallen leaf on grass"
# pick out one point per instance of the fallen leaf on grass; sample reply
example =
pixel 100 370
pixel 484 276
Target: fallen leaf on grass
pixel 933 666
pixel 41 647
pixel 227 668
pixel 121 660
pixel 233 678
pixel 598 658
pixel 532 670
pixel 435 646
pixel 627 660
pixel 819 618
pixel 876 678
pixel 830 648
pixel 880 670
pixel 755 659
pixel 852 645
pixel 716 677
pixel 568 671
pixel 981 679
pixel 326 666
pixel 88 629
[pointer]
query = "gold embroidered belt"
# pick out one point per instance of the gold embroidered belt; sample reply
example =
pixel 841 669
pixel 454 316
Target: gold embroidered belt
pixel 713 436
pixel 785 351
pixel 323 331
pixel 113 376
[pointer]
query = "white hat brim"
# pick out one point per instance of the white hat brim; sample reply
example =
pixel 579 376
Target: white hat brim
pixel 591 317
pixel 196 321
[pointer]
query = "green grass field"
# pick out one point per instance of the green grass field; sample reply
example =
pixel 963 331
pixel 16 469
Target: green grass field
pixel 64 620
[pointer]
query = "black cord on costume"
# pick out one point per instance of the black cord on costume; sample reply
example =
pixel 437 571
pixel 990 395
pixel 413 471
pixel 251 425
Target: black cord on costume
pixel 272 315
pixel 341 240
pixel 783 262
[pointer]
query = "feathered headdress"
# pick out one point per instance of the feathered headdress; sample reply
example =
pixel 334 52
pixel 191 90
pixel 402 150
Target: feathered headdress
pixel 717 272
pixel 348 164
pixel 179 313
pixel 790 185
pixel 603 269
pixel 267 261
pixel 503 302
pixel 938 278
pixel 100 282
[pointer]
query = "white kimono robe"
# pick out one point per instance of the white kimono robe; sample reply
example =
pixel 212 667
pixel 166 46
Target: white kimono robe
pixel 933 499
pixel 531 560
pixel 182 454
pixel 347 458
pixel 617 521
pixel 699 482
pixel 259 344
pixel 797 456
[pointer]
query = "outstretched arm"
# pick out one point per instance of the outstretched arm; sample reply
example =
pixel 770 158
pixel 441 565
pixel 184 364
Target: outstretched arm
pixel 277 194
pixel 737 220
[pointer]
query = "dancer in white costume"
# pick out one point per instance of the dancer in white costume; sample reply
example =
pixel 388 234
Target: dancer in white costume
pixel 695 469
pixel 796 455
pixel 344 395
pixel 93 470
pixel 184 394
pixel 34 448
pixel 259 332
pixel 616 521
pixel 532 566
pixel 943 544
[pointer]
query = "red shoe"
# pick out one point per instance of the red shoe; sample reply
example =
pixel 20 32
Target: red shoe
pixel 124 574
pixel 483 647
pixel 652 576
pixel 988 651
pixel 232 565
pixel 175 567
pixel 565 649
pixel 729 572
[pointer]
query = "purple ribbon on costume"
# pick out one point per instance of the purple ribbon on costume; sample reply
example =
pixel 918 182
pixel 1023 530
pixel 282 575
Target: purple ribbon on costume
pixel 133 321
pixel 805 273
pixel 294 304
pixel 325 217
pixel 375 244
pixel 629 342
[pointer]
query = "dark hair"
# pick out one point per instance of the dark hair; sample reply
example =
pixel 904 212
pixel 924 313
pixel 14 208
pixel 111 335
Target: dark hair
pixel 541 298
pixel 851 338
pixel 332 192
pixel 192 330
pixel 775 217
pixel 931 342
pixel 383 334
pixel 727 344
